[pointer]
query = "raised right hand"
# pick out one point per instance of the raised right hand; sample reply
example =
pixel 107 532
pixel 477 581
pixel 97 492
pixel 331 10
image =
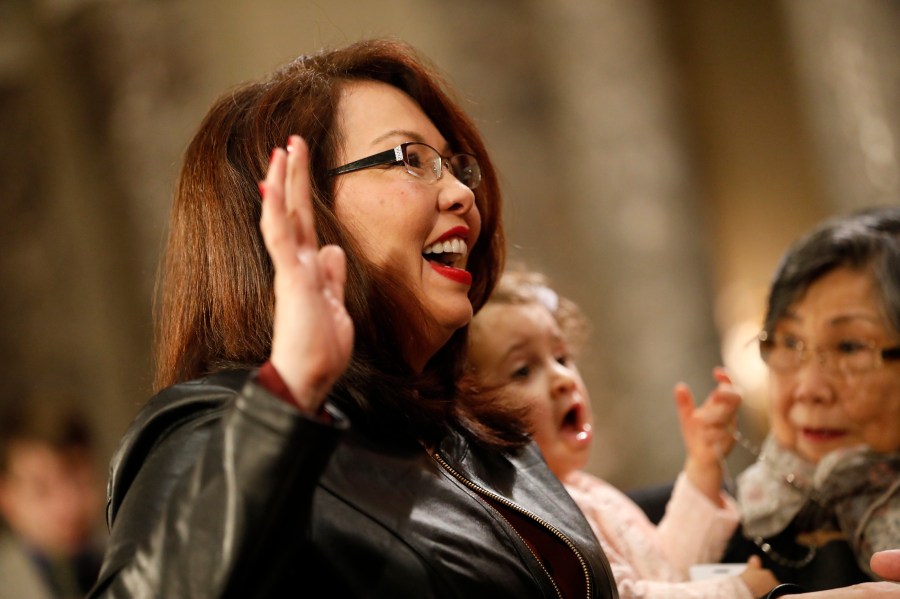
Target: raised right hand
pixel 312 337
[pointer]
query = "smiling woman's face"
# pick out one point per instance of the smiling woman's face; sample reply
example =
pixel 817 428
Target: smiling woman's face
pixel 815 411
pixel 397 219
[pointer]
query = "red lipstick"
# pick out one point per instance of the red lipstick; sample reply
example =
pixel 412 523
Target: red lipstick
pixel 460 231
pixel 454 274
pixel 458 275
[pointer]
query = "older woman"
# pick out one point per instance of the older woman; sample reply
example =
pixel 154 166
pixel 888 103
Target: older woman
pixel 825 491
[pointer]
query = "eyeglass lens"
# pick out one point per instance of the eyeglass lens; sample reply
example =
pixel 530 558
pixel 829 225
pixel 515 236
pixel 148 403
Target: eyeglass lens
pixel 787 354
pixel 424 161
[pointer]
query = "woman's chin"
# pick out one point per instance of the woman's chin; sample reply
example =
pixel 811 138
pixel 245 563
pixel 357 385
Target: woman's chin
pixel 447 325
pixel 425 349
pixel 815 452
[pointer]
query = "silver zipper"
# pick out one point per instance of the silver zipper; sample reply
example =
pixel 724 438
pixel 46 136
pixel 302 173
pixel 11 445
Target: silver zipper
pixel 584 567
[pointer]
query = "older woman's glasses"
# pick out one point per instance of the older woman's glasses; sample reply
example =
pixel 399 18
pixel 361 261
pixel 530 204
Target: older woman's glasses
pixel 785 354
pixel 422 161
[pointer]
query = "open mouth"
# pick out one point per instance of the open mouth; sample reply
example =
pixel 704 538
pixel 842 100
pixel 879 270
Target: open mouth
pixel 448 258
pixel 571 418
pixel 574 423
pixel 450 253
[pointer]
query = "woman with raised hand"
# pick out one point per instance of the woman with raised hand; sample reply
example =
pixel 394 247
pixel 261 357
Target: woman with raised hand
pixel 307 438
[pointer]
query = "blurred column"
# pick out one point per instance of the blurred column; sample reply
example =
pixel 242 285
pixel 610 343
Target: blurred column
pixel 848 58
pixel 84 95
pixel 761 187
pixel 630 231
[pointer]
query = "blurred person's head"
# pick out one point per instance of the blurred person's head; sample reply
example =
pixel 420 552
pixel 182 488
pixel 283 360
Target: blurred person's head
pixel 523 344
pixel 50 492
pixel 831 337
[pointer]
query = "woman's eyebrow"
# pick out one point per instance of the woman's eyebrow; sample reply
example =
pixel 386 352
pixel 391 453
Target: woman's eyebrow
pixel 410 136
pixel 399 133
pixel 845 318
pixel 790 315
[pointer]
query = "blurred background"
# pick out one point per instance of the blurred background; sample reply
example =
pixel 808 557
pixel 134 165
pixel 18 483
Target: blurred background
pixel 657 158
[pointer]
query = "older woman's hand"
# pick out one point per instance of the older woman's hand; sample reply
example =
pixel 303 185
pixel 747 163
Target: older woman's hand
pixel 866 590
pixel 887 564
pixel 312 336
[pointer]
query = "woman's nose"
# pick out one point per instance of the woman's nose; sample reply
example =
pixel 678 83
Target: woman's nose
pixel 454 196
pixel 813 382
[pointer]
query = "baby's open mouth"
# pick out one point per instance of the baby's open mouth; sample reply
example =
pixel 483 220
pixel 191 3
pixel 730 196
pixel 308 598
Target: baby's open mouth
pixel 575 425
pixel 572 418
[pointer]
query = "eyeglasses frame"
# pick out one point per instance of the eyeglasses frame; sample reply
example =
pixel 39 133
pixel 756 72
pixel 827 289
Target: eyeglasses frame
pixel 883 354
pixel 395 156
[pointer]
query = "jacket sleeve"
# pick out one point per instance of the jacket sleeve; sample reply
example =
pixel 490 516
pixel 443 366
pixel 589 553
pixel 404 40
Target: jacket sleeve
pixel 207 490
pixel 694 530
pixel 630 587
pixel 635 550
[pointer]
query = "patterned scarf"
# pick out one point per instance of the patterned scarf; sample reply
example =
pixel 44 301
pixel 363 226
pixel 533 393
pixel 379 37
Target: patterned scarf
pixel 856 486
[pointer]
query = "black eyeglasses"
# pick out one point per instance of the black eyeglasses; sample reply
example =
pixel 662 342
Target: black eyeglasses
pixel 420 160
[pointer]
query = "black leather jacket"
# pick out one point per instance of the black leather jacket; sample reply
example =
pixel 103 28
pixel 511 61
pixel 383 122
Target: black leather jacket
pixel 218 489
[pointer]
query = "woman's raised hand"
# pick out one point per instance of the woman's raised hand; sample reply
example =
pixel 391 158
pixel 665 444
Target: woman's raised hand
pixel 312 337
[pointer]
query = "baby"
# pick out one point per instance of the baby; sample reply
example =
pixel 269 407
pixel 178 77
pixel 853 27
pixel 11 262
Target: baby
pixel 522 344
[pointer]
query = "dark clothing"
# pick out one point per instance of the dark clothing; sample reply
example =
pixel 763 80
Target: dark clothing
pixel 28 574
pixel 219 489
pixel 833 565
pixel 73 577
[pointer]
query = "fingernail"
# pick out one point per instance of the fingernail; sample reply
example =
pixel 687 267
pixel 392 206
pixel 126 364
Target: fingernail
pixel 272 155
pixel 290 144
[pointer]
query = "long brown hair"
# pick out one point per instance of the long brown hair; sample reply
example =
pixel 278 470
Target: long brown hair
pixel 215 295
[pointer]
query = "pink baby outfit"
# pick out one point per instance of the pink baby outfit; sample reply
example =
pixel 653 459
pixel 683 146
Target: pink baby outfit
pixel 652 562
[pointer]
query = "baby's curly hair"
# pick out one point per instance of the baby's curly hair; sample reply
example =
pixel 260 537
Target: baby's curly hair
pixel 518 285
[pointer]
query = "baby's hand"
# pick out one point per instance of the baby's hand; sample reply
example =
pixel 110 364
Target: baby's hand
pixel 759 580
pixel 707 432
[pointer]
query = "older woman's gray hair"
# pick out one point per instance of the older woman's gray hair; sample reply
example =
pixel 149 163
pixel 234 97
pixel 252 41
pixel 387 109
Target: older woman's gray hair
pixel 865 240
